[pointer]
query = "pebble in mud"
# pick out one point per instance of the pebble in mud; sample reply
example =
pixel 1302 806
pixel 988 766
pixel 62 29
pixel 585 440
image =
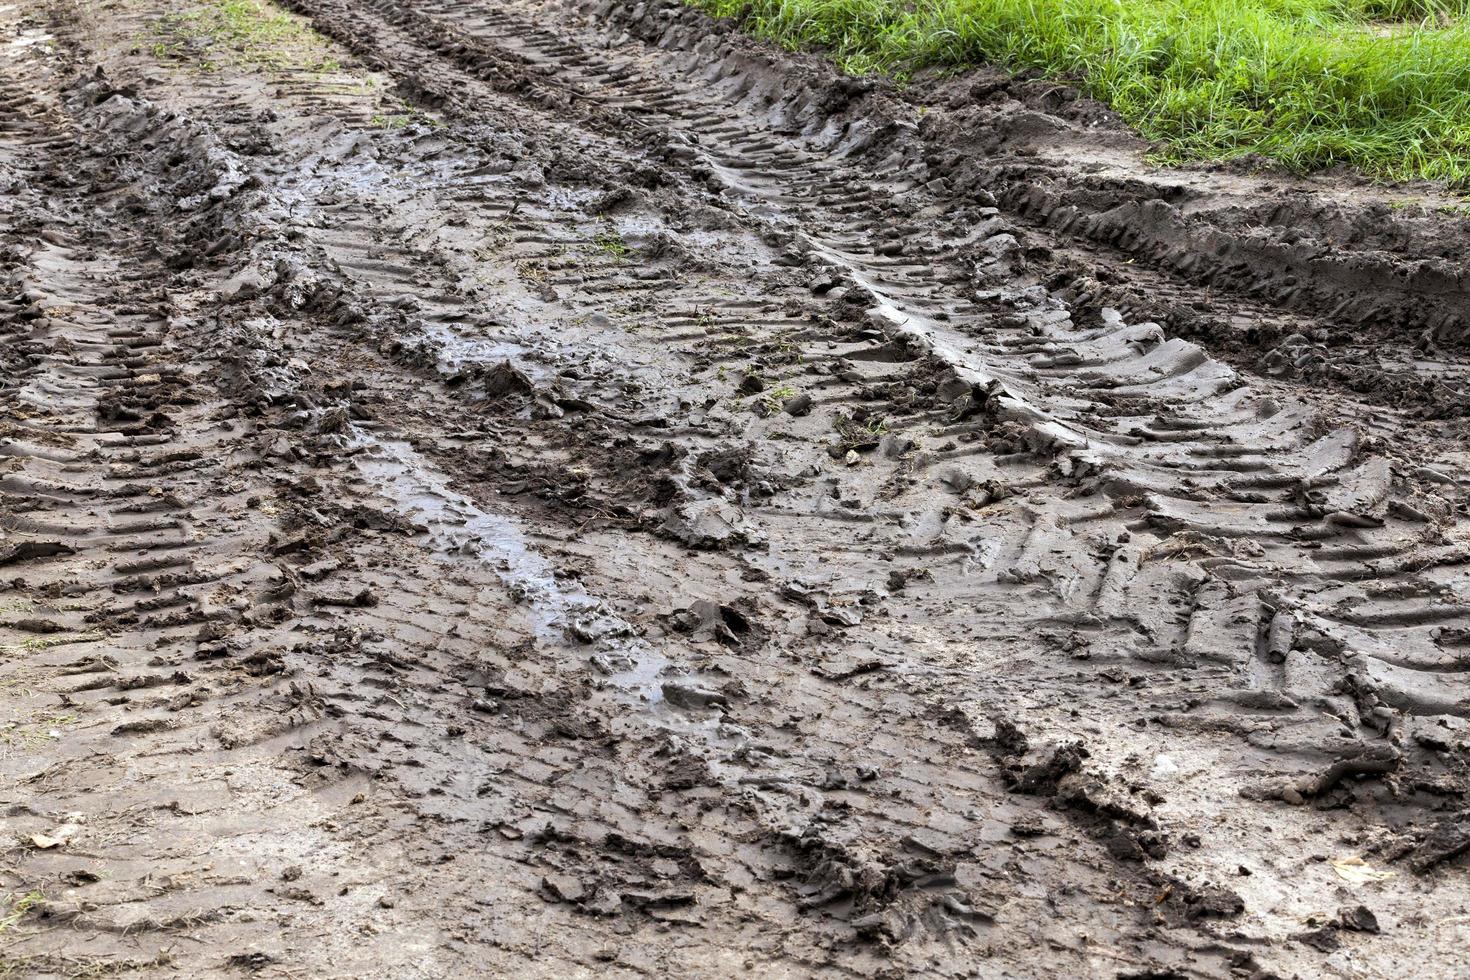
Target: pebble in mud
pixel 798 405
pixel 685 694
pixel 1358 918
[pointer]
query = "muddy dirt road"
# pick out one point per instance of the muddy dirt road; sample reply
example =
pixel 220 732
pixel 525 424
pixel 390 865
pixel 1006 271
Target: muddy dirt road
pixel 559 489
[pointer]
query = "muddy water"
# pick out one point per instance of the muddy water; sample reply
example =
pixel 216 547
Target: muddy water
pixel 456 528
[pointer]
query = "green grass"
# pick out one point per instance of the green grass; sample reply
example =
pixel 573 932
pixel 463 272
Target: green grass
pixel 245 32
pixel 610 240
pixel 775 399
pixel 19 908
pixel 1381 85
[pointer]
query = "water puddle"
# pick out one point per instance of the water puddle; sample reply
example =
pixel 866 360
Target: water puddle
pixel 560 613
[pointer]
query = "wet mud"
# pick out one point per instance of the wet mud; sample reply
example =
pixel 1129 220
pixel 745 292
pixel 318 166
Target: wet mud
pixel 563 489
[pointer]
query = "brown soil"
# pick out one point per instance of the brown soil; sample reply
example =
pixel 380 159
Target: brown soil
pixel 542 489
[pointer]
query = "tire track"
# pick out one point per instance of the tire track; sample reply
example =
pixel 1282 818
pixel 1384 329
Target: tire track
pixel 1246 445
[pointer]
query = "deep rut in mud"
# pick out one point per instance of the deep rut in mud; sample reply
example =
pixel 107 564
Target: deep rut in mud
pixel 535 489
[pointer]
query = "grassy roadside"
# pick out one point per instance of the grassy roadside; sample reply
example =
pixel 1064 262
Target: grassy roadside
pixel 1382 85
pixel 211 33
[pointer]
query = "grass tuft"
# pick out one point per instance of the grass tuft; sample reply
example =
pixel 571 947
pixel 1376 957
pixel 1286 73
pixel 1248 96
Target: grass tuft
pixel 254 33
pixel 20 907
pixel 1381 85
pixel 610 240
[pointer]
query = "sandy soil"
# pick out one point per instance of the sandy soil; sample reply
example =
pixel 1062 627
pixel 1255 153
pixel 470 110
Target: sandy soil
pixel 542 489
